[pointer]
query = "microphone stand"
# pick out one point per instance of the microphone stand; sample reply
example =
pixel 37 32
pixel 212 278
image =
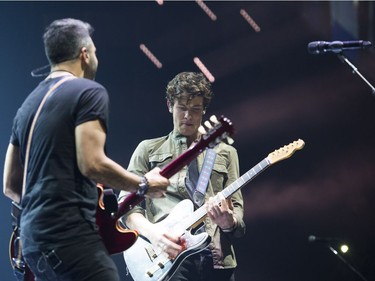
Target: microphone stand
pixel 346 263
pixel 355 70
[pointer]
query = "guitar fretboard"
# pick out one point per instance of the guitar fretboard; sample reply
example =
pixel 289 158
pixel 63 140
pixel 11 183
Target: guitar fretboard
pixel 198 214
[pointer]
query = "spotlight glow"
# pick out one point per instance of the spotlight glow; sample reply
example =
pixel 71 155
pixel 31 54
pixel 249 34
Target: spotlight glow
pixel 160 2
pixel 344 248
pixel 252 23
pixel 204 69
pixel 206 10
pixel 150 55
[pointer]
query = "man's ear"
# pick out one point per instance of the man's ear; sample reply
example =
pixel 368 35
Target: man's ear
pixel 84 54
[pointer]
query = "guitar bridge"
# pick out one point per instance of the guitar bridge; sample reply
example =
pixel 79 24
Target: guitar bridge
pixel 157 267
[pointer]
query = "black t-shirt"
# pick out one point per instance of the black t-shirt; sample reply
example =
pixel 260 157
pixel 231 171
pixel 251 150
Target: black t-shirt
pixel 60 203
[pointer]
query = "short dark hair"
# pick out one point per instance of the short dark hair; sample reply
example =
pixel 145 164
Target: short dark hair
pixel 64 38
pixel 191 83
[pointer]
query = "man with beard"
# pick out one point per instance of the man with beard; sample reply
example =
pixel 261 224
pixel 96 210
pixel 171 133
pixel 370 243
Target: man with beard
pixel 64 161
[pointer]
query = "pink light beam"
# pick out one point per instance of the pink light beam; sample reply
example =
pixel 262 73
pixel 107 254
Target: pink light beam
pixel 206 10
pixel 150 55
pixel 204 70
pixel 252 23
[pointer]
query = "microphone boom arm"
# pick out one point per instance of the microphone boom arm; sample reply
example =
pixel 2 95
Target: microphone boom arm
pixel 344 59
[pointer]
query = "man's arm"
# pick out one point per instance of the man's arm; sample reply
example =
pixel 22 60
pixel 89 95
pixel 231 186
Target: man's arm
pixel 159 236
pixel 13 174
pixel 93 163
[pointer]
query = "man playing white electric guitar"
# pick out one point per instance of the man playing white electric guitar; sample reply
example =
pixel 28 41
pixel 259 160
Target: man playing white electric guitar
pixel 167 250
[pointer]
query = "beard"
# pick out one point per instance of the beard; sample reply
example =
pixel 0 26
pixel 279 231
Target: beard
pixel 90 71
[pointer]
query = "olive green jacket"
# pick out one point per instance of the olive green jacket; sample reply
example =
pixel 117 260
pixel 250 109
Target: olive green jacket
pixel 159 152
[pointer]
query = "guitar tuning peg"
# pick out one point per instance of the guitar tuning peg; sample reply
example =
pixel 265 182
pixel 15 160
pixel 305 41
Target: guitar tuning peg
pixel 230 140
pixel 202 130
pixel 208 124
pixel 213 119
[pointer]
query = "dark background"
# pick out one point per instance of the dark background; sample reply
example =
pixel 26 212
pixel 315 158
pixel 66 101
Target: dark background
pixel 265 82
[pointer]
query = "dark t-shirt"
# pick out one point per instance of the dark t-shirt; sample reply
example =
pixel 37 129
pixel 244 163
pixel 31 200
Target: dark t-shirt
pixel 60 203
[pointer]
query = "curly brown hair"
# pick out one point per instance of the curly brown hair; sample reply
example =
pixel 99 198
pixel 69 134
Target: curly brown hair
pixel 191 83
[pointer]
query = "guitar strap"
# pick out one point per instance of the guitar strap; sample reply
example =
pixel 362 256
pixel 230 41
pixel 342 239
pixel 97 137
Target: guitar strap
pixel 50 91
pixel 197 194
pixel 18 263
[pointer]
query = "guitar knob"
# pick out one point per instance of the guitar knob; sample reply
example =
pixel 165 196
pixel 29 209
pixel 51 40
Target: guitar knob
pixel 230 140
pixel 202 130
pixel 213 119
pixel 208 124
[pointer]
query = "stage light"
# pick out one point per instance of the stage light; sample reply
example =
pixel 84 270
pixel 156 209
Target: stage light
pixel 160 2
pixel 344 248
pixel 252 23
pixel 204 69
pixel 150 55
pixel 206 10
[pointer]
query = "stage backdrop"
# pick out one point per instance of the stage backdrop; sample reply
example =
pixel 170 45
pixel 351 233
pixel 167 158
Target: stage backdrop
pixel 265 81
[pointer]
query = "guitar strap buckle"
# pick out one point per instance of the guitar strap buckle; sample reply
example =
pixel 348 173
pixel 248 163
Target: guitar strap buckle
pixel 198 198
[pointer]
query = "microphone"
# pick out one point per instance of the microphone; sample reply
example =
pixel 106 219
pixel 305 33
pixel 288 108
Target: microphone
pixel 323 47
pixel 315 239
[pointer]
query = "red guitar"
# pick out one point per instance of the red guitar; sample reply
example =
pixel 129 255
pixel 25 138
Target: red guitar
pixel 116 238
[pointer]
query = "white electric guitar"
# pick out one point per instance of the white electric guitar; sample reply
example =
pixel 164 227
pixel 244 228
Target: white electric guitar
pixel 148 263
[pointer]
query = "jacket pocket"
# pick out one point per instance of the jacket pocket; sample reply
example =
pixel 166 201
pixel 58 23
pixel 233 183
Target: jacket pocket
pixel 219 174
pixel 160 159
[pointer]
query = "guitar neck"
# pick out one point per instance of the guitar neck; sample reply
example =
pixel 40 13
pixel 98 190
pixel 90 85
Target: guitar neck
pixel 177 164
pixel 201 212
pixel 244 179
pixel 278 155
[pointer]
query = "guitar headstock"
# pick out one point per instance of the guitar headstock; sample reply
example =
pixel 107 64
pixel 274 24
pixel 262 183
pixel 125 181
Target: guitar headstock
pixel 285 151
pixel 215 131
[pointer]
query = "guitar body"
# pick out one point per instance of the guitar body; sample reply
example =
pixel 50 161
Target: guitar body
pixel 19 266
pixel 146 263
pixel 115 238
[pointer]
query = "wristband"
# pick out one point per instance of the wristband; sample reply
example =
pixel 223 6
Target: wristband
pixel 227 230
pixel 143 186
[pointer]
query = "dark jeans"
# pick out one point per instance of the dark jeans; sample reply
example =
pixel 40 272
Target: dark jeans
pixel 199 267
pixel 83 262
